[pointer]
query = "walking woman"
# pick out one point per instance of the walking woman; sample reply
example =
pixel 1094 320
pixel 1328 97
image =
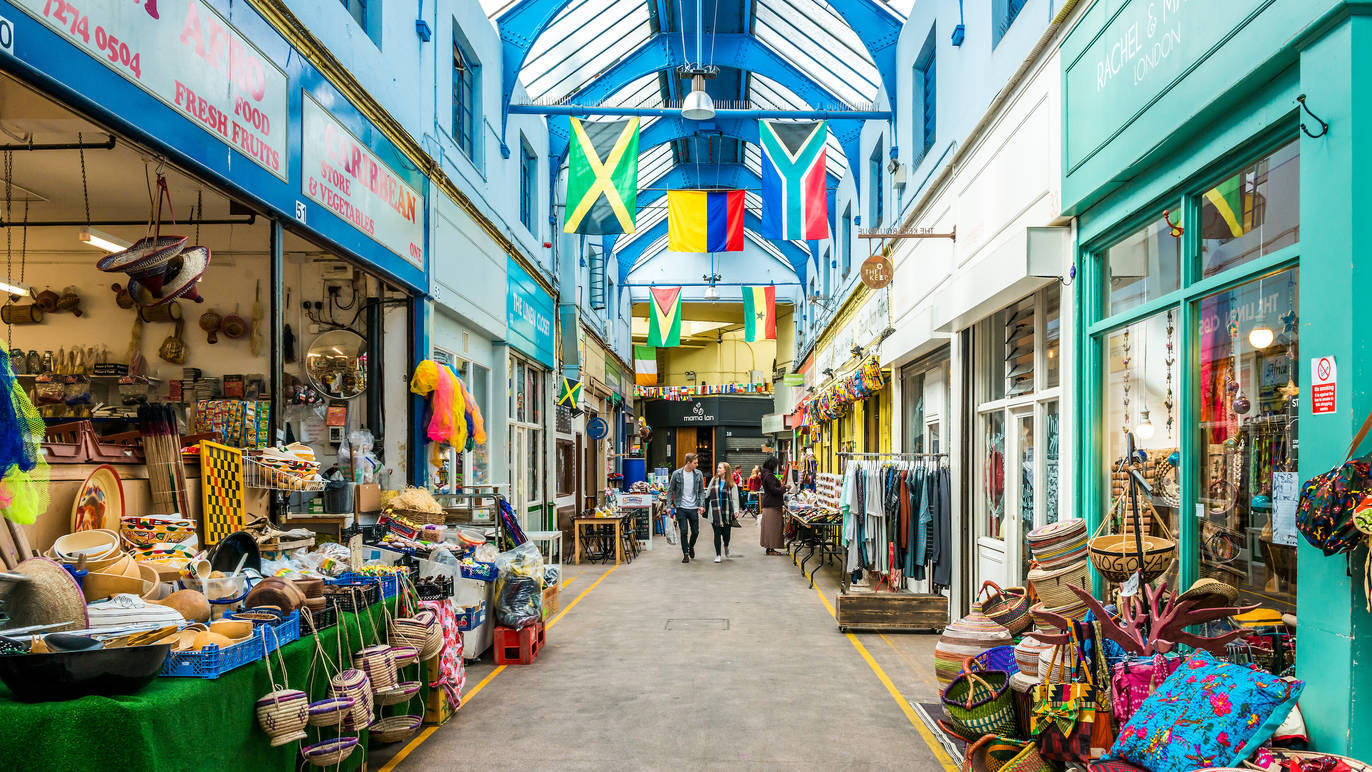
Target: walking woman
pixel 772 492
pixel 721 504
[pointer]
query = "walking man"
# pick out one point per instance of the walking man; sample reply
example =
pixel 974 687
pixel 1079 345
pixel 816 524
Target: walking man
pixel 686 497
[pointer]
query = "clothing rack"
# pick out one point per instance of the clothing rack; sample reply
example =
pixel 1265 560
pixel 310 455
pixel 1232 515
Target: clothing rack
pixel 893 455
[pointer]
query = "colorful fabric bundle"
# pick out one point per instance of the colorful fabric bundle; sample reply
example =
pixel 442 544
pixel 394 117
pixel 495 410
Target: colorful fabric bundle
pixel 452 671
pixel 447 404
pixel 23 471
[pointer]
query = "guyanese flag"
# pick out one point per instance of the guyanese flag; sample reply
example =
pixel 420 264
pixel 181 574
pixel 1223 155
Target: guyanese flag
pixel 759 313
pixel 705 220
pixel 664 317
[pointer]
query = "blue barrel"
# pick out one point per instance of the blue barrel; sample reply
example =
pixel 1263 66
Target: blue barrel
pixel 635 470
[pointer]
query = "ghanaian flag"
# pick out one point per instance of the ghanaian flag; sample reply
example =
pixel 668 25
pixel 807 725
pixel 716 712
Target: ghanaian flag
pixel 759 313
pixel 705 220
pixel 664 317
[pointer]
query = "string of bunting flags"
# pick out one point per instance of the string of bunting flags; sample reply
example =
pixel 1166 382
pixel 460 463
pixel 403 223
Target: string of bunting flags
pixel 676 393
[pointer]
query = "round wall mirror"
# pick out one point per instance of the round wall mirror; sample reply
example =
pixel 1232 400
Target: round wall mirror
pixel 337 364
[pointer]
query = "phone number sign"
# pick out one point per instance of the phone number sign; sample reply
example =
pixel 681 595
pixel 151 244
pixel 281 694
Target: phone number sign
pixel 349 180
pixel 187 55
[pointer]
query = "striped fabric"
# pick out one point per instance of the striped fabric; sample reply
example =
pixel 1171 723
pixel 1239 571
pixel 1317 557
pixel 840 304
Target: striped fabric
pixel 1058 544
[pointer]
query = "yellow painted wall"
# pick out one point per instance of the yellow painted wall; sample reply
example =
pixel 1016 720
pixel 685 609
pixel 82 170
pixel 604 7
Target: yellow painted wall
pixel 715 363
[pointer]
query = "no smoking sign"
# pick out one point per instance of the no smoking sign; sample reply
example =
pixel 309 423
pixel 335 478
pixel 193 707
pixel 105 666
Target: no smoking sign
pixel 1324 390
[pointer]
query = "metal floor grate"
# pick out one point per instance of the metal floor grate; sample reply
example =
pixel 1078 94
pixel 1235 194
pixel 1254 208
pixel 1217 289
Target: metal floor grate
pixel 680 625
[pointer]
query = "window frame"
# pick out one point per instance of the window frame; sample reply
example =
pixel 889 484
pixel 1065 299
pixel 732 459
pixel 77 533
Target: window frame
pixel 924 127
pixel 468 103
pixel 876 190
pixel 1184 302
pixel 847 247
pixel 528 186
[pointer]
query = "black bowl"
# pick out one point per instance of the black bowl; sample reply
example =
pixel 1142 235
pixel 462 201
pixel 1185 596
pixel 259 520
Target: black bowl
pixel 226 554
pixel 50 677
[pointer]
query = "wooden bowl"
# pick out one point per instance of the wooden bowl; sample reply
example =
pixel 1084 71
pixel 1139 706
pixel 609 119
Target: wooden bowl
pixel 191 604
pixel 233 629
pixel 94 545
pixel 274 591
pixel 210 638
pixel 152 581
pixel 97 585
pixel 312 588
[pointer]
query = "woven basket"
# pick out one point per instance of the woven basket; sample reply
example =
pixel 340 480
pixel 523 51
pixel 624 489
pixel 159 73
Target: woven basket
pixel 1050 585
pixel 1027 655
pixel 1116 557
pixel 401 692
pixel 394 729
pixel 417 516
pixel 355 685
pixel 1000 658
pixel 966 638
pixel 979 704
pixel 1058 544
pixel 282 715
pixel 1008 607
pixel 1077 611
pixel 330 752
pixel 330 711
pixel 379 664
pixel 1003 754
pixel 405 655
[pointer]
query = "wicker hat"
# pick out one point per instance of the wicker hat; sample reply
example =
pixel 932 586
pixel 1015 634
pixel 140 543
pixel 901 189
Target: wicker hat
pixel 51 596
pixel 1211 593
pixel 144 255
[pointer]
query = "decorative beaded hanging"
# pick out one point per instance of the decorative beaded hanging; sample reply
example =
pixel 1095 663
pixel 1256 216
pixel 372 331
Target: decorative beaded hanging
pixel 1169 361
pixel 1125 425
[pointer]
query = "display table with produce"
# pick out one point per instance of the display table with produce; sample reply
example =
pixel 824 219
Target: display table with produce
pixel 184 723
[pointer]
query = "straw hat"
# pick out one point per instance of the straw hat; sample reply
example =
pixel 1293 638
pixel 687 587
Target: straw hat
pixel 1211 593
pixel 145 254
pixel 50 596
pixel 182 272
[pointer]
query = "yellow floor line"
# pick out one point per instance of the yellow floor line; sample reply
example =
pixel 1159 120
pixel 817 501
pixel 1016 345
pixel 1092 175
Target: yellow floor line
pixel 466 698
pixel 944 760
pixel 569 580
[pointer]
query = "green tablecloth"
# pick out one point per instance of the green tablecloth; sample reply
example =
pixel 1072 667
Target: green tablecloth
pixel 184 723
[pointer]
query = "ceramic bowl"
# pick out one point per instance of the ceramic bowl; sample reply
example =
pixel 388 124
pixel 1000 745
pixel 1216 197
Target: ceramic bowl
pixel 45 677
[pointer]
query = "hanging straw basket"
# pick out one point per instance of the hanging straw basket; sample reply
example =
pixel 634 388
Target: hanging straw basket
pixel 397 694
pixel 329 752
pixel 405 655
pixel 282 715
pixel 1051 585
pixel 1116 555
pixel 330 711
pixel 394 729
pixel 979 704
pixel 1008 607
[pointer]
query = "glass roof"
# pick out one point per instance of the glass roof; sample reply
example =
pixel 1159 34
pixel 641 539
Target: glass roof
pixel 820 44
pixel 583 40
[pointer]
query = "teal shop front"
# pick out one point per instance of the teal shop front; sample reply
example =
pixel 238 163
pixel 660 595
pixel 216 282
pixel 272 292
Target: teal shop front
pixel 529 314
pixel 1222 269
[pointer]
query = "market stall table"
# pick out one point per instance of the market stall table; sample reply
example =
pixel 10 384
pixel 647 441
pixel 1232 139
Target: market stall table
pixel 617 523
pixel 821 536
pixel 186 723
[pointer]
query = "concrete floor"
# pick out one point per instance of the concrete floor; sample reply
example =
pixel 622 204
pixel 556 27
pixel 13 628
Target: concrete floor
pixel 699 666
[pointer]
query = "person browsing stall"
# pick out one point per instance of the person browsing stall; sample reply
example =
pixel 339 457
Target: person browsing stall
pixel 686 498
pixel 721 507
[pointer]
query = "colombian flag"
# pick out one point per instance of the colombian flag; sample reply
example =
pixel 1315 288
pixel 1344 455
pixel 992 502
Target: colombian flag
pixel 705 220
pixel 759 313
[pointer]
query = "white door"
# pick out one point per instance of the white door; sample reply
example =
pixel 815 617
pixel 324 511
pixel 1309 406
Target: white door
pixel 520 495
pixel 1020 475
pixel 991 510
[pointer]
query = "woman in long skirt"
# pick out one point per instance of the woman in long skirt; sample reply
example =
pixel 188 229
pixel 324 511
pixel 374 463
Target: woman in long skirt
pixel 773 539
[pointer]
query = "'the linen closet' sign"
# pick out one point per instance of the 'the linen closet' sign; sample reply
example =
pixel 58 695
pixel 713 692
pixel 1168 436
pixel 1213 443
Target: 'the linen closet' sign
pixel 349 180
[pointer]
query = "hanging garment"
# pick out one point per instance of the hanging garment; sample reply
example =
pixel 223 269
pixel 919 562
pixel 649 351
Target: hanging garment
pixel 903 533
pixel 943 554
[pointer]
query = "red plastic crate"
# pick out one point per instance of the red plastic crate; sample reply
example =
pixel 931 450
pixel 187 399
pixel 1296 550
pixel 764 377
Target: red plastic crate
pixel 518 647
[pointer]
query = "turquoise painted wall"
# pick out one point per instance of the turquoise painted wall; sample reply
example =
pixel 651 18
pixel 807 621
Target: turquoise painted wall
pixel 1134 143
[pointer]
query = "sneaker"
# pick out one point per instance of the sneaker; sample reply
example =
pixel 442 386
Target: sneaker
pixel 685 558
pixel 719 559
pixel 729 554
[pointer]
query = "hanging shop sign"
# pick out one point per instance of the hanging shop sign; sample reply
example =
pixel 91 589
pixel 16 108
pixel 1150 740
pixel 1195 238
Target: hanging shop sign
pixel 873 318
pixel 528 314
pixel 188 56
pixel 597 428
pixel 794 379
pixel 1139 52
pixel 342 175
pixel 877 272
pixel 718 411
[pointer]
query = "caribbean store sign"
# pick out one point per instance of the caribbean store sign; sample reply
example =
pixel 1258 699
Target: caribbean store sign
pixel 187 55
pixel 350 181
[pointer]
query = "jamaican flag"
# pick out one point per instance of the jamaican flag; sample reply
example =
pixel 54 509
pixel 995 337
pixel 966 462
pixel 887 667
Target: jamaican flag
pixel 570 394
pixel 664 317
pixel 1234 212
pixel 602 177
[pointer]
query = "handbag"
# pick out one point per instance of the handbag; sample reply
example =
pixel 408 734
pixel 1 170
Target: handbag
pixel 1325 513
pixel 1063 714
pixel 979 704
pixel 1004 754
pixel 1133 682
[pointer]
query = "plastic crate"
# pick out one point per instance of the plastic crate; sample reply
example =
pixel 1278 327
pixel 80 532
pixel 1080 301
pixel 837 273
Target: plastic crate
pixel 485 572
pixel 368 594
pixel 471 617
pixel 286 632
pixel 390 585
pixel 322 619
pixel 435 587
pixel 212 661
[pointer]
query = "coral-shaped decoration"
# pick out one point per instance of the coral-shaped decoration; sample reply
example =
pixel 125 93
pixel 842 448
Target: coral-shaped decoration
pixel 1153 625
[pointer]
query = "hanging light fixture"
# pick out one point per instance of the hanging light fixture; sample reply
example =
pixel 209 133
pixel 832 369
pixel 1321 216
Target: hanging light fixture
pixel 698 106
pixel 1260 337
pixel 101 240
pixel 712 292
pixel 10 288
pixel 1144 430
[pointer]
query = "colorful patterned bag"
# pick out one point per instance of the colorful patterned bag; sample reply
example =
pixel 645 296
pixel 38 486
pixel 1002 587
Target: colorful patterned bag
pixel 1134 682
pixel 1063 714
pixel 1325 514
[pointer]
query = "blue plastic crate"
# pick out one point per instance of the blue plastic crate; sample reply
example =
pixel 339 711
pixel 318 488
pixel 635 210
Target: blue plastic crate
pixel 212 661
pixel 284 633
pixel 390 585
pixel 485 572
pixel 471 617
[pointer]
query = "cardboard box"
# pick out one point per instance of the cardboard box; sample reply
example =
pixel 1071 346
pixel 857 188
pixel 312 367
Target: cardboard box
pixel 550 602
pixel 367 498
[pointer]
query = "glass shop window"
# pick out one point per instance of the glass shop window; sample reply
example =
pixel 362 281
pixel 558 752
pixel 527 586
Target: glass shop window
pixel 1143 266
pixel 912 400
pixel 1140 401
pixel 1018 324
pixel 1248 405
pixel 991 488
pixel 1253 213
pixel 1052 339
pixel 1028 477
pixel 1051 435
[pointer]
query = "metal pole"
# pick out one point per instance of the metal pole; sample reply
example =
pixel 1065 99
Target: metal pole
pixel 249 220
pixel 276 379
pixel 108 144
pixel 586 110
pixel 700 23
